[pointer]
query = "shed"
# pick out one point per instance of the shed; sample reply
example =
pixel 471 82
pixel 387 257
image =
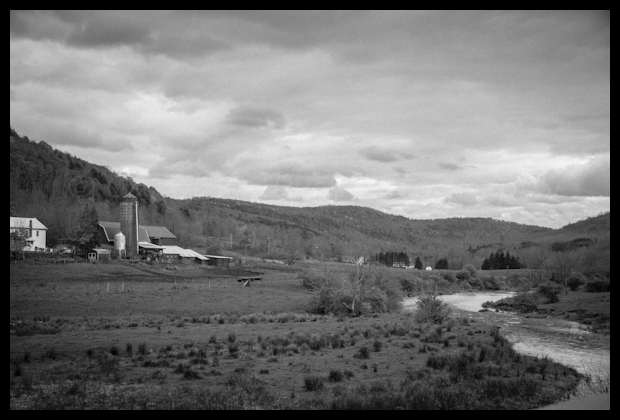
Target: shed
pixel 219 260
pixel 98 254
pixel 150 251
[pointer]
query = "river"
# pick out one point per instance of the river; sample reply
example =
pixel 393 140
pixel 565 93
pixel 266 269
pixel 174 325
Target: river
pixel 566 342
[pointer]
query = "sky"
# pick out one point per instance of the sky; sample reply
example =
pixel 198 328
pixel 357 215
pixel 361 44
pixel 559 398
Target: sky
pixel 424 114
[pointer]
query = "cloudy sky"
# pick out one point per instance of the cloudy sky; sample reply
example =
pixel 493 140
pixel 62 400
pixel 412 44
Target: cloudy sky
pixel 422 114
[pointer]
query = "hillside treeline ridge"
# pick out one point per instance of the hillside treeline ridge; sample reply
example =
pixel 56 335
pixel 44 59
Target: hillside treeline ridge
pixel 55 187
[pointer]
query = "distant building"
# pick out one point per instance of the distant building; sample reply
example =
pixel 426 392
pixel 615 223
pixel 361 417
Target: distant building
pixel 219 260
pixel 176 254
pixel 429 268
pixel 98 254
pixel 159 235
pixel 31 230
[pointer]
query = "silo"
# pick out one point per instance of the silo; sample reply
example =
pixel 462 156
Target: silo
pixel 119 244
pixel 129 224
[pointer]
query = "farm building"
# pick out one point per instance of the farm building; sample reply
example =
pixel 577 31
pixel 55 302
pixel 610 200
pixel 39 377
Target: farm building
pixel 175 253
pixel 107 230
pixel 150 251
pixel 98 254
pixel 28 233
pixel 159 235
pixel 219 260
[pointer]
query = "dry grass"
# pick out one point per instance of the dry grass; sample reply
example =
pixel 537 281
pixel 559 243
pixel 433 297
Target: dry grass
pixel 176 342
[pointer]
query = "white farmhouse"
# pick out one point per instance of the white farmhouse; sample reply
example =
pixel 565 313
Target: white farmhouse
pixel 35 232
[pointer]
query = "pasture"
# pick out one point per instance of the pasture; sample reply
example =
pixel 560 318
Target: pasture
pixel 127 336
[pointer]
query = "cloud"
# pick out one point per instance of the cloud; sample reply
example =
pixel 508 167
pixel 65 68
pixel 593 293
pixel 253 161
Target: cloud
pixel 591 179
pixel 384 154
pixel 393 195
pixel 379 154
pixel 291 174
pixel 464 199
pixel 340 194
pixel 274 192
pixel 255 116
pixel 167 168
pixel 449 166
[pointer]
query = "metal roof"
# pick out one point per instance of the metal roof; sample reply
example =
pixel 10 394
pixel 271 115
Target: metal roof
pixel 158 232
pixel 182 252
pixel 219 256
pixel 112 228
pixel 148 245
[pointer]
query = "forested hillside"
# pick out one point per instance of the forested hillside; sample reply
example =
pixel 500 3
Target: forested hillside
pixel 57 187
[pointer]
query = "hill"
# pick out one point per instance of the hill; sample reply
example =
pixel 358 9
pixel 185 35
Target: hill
pixel 55 187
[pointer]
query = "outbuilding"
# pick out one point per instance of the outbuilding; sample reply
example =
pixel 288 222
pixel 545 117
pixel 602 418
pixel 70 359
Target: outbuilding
pixel 219 260
pixel 98 254
pixel 176 254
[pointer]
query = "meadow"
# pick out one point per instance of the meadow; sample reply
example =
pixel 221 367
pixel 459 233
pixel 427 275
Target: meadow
pixel 136 336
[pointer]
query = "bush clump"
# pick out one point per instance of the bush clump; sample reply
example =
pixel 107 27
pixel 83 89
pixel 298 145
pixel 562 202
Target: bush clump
pixel 550 291
pixel 431 309
pixel 597 286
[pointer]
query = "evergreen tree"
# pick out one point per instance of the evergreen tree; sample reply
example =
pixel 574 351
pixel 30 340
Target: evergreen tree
pixel 418 263
pixel 442 264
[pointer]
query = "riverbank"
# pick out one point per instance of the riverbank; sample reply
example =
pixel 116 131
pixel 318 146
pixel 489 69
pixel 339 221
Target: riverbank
pixel 590 309
pixel 559 338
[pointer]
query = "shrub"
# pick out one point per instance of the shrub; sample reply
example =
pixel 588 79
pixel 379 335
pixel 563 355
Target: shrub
pixel 463 275
pixel 50 354
pixel 377 344
pixel 335 375
pixel 142 349
pixel 313 383
pixel 190 374
pixel 550 291
pixel 472 270
pixel 431 309
pixel 575 281
pixel 362 353
pixel 449 276
pixel 598 286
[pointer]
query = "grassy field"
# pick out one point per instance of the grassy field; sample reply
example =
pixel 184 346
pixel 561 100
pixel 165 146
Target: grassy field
pixel 103 336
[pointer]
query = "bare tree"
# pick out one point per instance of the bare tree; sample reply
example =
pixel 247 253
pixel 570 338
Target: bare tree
pixel 563 264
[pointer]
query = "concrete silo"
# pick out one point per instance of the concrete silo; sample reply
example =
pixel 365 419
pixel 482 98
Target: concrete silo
pixel 129 224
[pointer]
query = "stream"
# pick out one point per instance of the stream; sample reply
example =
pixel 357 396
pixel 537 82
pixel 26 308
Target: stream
pixel 566 342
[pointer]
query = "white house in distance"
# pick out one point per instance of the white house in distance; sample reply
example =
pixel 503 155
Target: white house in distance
pixel 36 232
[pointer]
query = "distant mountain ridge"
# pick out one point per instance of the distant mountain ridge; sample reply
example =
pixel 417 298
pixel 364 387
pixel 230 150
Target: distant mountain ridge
pixel 53 186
